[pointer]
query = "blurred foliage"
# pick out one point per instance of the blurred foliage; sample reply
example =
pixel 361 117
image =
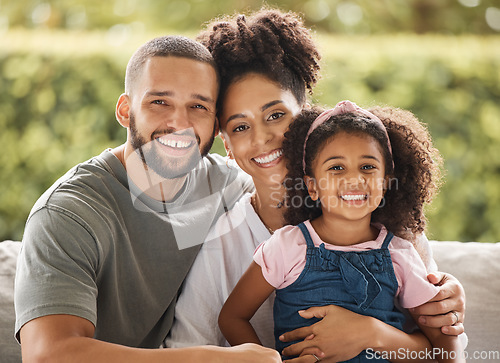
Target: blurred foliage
pixel 58 92
pixel 340 16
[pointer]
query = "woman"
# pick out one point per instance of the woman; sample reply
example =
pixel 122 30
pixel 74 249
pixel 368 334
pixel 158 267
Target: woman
pixel 267 62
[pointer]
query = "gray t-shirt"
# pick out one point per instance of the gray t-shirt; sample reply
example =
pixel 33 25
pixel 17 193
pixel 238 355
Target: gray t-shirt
pixel 94 249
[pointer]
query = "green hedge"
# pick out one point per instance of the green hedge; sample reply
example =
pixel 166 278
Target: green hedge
pixel 57 98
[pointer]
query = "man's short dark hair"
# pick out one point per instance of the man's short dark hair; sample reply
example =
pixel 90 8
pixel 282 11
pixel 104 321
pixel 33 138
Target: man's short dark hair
pixel 173 45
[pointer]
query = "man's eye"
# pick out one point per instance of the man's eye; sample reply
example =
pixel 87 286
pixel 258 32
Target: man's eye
pixel 201 107
pixel 158 102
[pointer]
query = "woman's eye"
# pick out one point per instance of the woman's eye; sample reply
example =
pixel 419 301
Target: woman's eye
pixel 240 128
pixel 276 115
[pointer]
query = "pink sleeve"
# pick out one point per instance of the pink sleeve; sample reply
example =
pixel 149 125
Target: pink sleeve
pixel 282 257
pixel 414 288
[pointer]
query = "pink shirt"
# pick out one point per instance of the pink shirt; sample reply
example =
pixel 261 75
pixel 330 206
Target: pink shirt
pixel 283 257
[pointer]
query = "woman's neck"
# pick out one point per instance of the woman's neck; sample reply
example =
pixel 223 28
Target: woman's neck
pixel 268 204
pixel 342 232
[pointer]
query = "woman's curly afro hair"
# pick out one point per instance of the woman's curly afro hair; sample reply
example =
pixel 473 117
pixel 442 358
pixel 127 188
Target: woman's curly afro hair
pixel 268 42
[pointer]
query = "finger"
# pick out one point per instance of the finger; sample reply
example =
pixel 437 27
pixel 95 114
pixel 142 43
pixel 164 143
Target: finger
pixel 436 278
pixel 314 312
pixel 297 348
pixel 434 307
pixel 297 334
pixel 438 321
pixel 456 329
pixel 313 350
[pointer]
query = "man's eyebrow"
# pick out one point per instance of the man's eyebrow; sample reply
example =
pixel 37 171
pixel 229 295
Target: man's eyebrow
pixel 203 98
pixel 270 104
pixel 170 94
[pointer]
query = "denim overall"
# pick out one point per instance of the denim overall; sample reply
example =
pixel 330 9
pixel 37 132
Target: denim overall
pixel 363 282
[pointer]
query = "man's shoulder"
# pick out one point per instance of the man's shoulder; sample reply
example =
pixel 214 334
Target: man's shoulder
pixel 87 183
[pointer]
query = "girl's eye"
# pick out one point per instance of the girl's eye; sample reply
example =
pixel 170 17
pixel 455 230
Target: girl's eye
pixel 336 168
pixel 240 128
pixel 368 167
pixel 276 115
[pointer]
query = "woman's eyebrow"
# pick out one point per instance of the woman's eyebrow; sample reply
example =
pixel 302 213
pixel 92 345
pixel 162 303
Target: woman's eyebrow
pixel 235 116
pixel 270 104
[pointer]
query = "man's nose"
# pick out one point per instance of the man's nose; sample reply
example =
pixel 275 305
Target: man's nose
pixel 179 119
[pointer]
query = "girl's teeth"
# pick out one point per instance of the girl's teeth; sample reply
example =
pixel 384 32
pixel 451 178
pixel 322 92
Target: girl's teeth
pixel 354 197
pixel 270 157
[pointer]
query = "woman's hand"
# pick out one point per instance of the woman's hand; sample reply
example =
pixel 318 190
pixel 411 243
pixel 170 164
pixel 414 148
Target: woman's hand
pixel 339 336
pixel 447 309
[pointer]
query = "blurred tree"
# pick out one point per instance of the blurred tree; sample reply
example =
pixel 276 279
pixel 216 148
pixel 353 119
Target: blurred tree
pixel 341 16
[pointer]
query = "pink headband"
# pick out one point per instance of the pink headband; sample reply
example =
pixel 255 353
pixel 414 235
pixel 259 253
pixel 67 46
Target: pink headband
pixel 341 108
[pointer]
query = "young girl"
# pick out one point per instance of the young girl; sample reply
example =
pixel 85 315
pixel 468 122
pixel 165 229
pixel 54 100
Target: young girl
pixel 355 189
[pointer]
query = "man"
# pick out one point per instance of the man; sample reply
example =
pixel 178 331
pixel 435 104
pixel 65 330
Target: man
pixel 107 247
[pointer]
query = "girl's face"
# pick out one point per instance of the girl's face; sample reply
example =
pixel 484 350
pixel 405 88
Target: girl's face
pixel 349 176
pixel 256 113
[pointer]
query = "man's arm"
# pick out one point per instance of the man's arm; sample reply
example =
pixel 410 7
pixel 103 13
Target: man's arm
pixel 65 338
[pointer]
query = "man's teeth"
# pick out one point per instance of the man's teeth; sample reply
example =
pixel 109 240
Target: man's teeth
pixel 175 143
pixel 270 157
pixel 353 197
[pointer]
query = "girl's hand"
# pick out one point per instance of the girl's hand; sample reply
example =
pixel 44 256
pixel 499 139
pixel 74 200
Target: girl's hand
pixel 337 337
pixel 447 309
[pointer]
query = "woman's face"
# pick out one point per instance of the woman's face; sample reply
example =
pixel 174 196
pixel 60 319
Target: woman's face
pixel 256 113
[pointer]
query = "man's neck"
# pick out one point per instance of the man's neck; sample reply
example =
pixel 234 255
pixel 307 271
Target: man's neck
pixel 145 179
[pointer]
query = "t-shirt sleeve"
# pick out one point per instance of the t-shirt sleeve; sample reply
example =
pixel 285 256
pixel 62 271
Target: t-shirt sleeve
pixel 282 257
pixel 56 270
pixel 414 288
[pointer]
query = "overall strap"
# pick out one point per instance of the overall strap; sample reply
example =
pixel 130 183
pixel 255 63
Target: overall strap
pixel 307 235
pixel 387 240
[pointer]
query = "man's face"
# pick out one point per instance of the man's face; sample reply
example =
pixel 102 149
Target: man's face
pixel 172 114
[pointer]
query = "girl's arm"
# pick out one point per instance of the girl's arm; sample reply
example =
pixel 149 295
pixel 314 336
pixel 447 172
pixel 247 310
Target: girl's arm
pixel 342 334
pixel 248 295
pixel 445 348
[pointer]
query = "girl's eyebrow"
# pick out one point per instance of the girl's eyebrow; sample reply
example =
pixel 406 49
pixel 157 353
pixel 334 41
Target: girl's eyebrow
pixel 342 157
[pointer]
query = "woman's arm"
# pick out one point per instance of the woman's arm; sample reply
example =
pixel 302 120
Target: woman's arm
pixel 342 334
pixel 440 311
pixel 248 295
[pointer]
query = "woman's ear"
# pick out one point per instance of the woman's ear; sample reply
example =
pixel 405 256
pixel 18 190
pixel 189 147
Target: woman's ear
pixel 227 146
pixel 122 111
pixel 311 187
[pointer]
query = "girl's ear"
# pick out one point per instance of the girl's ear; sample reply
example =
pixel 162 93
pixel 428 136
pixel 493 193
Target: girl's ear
pixel 226 146
pixel 122 111
pixel 311 187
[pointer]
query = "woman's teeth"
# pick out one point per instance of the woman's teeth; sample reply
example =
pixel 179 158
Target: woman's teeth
pixel 271 157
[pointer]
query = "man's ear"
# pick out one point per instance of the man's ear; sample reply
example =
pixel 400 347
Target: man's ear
pixel 226 146
pixel 122 111
pixel 311 187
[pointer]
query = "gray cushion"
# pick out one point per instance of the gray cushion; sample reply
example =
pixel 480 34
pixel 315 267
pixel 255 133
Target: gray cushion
pixel 477 267
pixel 10 351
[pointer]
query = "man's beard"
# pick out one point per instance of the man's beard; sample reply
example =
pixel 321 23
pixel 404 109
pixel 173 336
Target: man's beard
pixel 169 168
